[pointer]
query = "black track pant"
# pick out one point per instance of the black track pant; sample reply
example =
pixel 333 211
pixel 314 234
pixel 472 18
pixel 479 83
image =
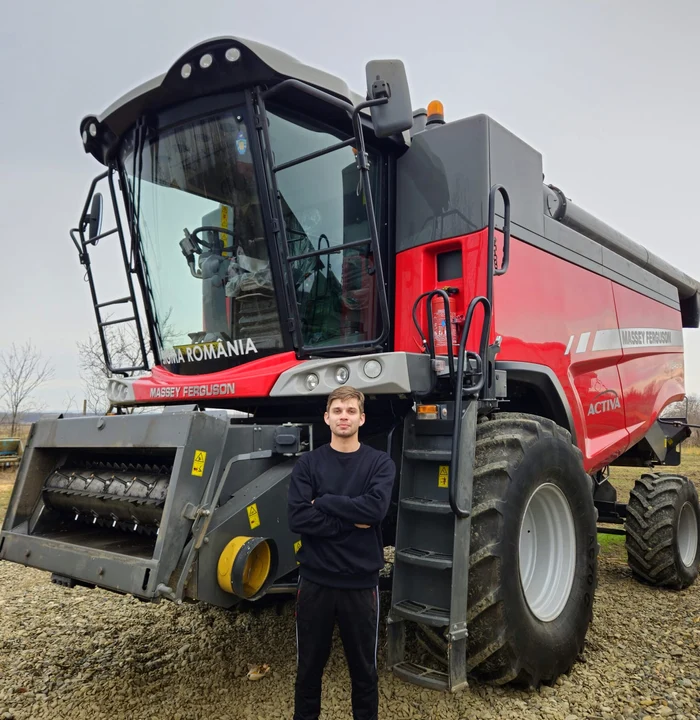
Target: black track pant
pixel 357 614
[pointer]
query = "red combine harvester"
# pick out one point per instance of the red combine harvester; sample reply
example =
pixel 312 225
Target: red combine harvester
pixel 287 237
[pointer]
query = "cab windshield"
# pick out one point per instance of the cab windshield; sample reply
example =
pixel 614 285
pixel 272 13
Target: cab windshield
pixel 196 202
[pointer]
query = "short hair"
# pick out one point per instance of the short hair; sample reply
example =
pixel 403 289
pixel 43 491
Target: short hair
pixel 346 392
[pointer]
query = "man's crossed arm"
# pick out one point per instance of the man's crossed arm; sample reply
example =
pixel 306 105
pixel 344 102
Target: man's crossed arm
pixel 367 509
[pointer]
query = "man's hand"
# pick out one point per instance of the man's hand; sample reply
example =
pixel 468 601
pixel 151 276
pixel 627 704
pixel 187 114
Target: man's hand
pixel 363 527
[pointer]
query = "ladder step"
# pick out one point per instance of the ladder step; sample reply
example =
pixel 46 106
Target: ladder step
pixel 116 322
pixel 426 505
pixel 444 456
pixel 425 558
pixel 420 613
pixel 419 675
pixel 118 301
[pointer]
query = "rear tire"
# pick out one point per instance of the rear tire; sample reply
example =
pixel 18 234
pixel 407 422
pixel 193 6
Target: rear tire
pixel 526 624
pixel 663 531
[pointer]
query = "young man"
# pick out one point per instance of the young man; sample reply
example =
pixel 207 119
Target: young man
pixel 338 496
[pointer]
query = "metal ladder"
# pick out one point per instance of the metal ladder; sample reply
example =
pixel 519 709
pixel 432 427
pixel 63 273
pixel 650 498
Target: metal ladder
pixel 83 244
pixel 431 562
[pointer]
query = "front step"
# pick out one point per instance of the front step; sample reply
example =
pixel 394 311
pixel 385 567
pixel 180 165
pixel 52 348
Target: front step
pixel 443 456
pixel 425 558
pixel 427 505
pixel 419 675
pixel 421 613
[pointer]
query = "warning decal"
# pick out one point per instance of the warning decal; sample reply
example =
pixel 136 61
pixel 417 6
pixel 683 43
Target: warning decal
pixel 297 545
pixel 443 475
pixel 200 457
pixel 253 516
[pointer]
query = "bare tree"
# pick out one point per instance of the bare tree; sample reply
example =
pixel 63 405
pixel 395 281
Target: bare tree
pixel 22 372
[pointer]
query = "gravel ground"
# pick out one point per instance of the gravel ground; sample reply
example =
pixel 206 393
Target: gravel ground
pixel 91 654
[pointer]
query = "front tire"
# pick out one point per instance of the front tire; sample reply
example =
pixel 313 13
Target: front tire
pixel 663 530
pixel 533 560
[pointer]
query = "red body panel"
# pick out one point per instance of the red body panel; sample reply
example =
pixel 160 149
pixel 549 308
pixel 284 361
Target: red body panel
pixel 550 312
pixel 254 379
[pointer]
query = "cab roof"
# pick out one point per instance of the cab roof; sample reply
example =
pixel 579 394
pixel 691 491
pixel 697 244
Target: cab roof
pixel 257 64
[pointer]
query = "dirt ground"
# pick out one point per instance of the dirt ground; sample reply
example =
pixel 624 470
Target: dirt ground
pixel 92 654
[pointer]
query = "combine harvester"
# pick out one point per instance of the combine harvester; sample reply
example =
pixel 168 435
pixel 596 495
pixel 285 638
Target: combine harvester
pixel 298 237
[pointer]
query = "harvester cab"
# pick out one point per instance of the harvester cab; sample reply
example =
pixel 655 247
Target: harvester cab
pixel 287 237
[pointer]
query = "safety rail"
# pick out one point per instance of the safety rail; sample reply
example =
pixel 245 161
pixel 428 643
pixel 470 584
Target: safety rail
pixel 429 343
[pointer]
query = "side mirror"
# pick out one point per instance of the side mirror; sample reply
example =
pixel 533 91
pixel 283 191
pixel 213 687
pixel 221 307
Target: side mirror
pixel 387 78
pixel 95 217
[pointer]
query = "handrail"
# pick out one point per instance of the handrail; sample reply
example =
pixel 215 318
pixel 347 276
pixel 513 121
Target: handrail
pixel 492 238
pixel 459 390
pixel 429 345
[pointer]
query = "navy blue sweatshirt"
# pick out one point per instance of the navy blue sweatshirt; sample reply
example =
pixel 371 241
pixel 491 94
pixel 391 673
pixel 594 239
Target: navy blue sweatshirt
pixel 348 489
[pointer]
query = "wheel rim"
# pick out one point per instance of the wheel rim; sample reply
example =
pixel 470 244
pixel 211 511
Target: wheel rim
pixel 687 534
pixel 547 552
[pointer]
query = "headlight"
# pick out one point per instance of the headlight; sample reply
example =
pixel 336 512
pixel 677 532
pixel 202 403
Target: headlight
pixel 205 61
pixel 311 381
pixel 341 375
pixel 186 70
pixel 373 369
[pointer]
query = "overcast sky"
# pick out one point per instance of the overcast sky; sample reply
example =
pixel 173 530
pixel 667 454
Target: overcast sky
pixel 608 92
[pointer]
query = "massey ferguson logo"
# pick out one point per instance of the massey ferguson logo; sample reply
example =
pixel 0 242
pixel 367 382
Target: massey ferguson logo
pixel 604 402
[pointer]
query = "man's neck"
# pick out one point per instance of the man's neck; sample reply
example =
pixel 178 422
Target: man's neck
pixel 345 445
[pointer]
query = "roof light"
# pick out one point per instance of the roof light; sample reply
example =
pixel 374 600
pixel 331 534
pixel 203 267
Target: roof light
pixel 341 375
pixel 205 61
pixel 233 54
pixel 84 137
pixel 436 113
pixel 93 129
pixel 186 70
pixel 311 381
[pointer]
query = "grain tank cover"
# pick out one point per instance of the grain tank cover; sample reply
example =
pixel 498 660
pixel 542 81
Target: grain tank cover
pixel 560 208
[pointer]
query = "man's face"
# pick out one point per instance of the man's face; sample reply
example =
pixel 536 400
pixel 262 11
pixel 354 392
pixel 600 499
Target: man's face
pixel 344 418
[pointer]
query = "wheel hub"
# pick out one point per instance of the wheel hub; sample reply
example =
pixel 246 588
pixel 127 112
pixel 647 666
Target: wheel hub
pixel 687 534
pixel 547 552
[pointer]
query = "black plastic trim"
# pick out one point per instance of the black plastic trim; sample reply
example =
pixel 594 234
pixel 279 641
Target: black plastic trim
pixel 545 380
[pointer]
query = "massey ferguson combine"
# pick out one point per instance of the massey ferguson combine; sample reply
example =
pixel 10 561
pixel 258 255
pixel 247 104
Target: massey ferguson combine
pixel 286 237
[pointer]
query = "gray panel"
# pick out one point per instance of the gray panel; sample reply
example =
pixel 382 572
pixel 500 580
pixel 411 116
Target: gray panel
pixel 401 373
pixel 443 183
pixel 518 167
pixel 230 520
pixel 629 269
pixel 96 567
pixel 571 240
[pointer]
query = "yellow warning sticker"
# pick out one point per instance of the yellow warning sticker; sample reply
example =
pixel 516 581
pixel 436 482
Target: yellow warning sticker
pixel 297 545
pixel 200 457
pixel 253 516
pixel 443 476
